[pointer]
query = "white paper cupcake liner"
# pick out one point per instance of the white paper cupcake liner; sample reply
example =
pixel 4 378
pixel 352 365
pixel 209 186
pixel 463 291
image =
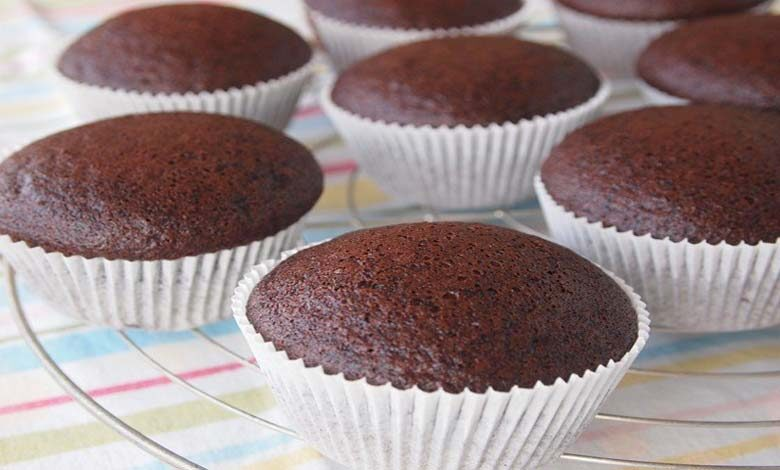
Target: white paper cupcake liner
pixel 612 46
pixel 689 286
pixel 347 43
pixel 655 97
pixel 271 102
pixel 366 426
pixel 155 295
pixel 457 167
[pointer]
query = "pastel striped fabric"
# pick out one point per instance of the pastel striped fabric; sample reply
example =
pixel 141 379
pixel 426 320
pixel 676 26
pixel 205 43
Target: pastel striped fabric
pixel 42 428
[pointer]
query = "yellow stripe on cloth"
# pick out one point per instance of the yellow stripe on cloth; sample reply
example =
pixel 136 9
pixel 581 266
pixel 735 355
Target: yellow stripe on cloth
pixel 287 461
pixel 728 452
pixel 153 421
pixel 367 193
pixel 710 363
pixel 32 107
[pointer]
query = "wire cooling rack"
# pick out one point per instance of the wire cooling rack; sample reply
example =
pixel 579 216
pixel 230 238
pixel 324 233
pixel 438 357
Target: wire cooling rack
pixel 357 219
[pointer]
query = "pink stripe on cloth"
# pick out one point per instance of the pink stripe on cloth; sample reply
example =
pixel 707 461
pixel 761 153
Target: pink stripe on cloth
pixel 339 167
pixel 308 111
pixel 119 388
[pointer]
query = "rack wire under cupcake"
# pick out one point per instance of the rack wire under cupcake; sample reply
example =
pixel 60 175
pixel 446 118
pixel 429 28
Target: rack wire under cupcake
pixel 360 219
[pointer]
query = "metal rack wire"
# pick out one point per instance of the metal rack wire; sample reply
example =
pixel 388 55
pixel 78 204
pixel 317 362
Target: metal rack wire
pixel 358 220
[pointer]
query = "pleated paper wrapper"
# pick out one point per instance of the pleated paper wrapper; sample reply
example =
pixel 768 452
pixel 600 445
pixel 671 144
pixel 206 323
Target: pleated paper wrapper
pixel 156 295
pixel 695 287
pixel 613 46
pixel 347 43
pixel 271 102
pixel 457 167
pixel 366 426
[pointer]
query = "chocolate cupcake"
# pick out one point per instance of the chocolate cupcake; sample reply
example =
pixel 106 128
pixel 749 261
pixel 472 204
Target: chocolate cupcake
pixel 195 57
pixel 683 202
pixel 729 60
pixel 351 30
pixel 113 220
pixel 461 122
pixel 611 35
pixel 468 316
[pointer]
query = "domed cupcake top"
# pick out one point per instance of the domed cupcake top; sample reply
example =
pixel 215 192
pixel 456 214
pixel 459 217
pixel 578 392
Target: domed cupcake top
pixel 156 186
pixel 416 14
pixel 184 48
pixel 659 10
pixel 702 172
pixel 465 80
pixel 728 60
pixel 444 305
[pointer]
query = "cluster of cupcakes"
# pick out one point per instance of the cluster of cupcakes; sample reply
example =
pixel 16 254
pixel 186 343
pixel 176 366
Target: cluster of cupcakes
pixel 428 345
pixel 149 217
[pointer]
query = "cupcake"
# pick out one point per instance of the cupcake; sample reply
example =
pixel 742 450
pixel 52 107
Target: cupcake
pixel 461 122
pixel 681 202
pixel 611 34
pixel 730 60
pixel 187 57
pixel 444 345
pixel 351 30
pixel 150 220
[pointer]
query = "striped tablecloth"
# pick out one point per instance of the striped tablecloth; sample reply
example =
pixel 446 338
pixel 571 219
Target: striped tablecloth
pixel 40 427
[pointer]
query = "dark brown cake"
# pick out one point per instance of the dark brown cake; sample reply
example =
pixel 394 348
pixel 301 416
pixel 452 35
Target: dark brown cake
pixel 465 80
pixel 156 186
pixel 731 60
pixel 702 172
pixel 659 10
pixel 444 305
pixel 416 14
pixel 184 48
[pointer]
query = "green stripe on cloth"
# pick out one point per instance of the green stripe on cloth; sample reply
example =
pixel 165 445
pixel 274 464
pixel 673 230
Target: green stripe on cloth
pixel 153 421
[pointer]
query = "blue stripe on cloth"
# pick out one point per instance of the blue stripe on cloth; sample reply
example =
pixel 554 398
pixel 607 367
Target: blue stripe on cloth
pixel 98 342
pixel 223 454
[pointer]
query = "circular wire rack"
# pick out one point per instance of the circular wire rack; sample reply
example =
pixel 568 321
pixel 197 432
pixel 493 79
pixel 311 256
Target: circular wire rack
pixel 358 219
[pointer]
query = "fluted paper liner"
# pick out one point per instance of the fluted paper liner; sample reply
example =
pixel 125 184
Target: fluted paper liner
pixel 613 46
pixel 368 426
pixel 690 286
pixel 156 295
pixel 347 43
pixel 457 167
pixel 271 102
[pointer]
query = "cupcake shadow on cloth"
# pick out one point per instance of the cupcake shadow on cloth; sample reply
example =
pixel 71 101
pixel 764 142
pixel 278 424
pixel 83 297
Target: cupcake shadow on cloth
pixel 363 425
pixel 654 97
pixel 347 43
